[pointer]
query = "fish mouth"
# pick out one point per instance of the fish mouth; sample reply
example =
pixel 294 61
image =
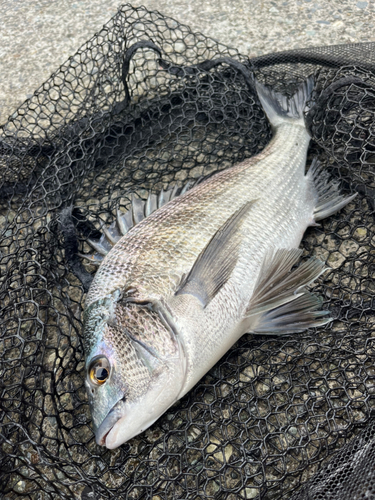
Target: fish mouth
pixel 130 417
pixel 117 428
pixel 126 420
pixel 109 422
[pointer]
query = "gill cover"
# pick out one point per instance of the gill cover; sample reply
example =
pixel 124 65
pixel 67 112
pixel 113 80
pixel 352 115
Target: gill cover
pixel 135 369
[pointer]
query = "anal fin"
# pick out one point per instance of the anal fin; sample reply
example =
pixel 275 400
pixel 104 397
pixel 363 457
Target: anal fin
pixel 280 302
pixel 330 200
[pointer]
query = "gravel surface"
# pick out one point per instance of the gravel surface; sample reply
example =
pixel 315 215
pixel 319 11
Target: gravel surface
pixel 36 37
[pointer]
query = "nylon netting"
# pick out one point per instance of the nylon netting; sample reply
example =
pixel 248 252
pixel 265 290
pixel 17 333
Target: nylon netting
pixel 139 107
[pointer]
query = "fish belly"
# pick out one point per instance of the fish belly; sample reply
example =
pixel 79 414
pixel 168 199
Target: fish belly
pixel 279 218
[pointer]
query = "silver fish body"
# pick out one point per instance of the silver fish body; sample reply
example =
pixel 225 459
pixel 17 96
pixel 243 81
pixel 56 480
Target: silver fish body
pixel 166 303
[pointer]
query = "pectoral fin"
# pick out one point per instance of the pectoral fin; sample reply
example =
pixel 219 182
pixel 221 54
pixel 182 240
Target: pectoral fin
pixel 280 302
pixel 217 260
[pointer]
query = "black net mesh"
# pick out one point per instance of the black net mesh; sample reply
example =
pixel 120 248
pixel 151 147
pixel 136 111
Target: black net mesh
pixel 141 106
pixel 350 473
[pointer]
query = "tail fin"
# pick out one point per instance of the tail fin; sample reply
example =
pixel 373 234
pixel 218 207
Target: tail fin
pixel 279 108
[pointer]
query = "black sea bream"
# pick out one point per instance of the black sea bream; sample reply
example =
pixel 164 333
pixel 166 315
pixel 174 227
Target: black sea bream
pixel 186 281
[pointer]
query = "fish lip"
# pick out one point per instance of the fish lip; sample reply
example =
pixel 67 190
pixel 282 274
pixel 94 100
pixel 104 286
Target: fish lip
pixel 113 416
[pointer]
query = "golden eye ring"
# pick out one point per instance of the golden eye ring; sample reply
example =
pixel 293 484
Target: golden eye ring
pixel 99 370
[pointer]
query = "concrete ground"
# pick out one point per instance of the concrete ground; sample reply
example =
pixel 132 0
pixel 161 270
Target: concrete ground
pixel 37 36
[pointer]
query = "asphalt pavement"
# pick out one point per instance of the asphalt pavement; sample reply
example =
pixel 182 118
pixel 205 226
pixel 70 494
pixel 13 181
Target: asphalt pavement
pixel 36 37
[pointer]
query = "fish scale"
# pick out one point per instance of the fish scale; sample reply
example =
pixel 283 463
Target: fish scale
pixel 275 232
pixel 182 285
pixel 182 224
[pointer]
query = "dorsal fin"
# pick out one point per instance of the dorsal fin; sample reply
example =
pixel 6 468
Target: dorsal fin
pixel 139 210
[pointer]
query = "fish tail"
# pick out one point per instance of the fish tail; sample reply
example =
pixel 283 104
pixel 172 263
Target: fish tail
pixel 279 108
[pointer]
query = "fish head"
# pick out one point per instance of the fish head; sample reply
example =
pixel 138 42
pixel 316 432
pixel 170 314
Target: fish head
pixel 135 367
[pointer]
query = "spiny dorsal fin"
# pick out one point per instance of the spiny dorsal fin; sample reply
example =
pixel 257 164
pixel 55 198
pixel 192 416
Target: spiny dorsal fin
pixel 139 210
pixel 217 260
pixel 329 198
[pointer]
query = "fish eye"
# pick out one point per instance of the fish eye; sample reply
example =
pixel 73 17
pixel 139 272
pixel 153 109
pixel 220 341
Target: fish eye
pixel 99 370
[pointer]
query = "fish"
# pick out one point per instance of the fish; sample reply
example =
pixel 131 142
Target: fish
pixel 183 275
